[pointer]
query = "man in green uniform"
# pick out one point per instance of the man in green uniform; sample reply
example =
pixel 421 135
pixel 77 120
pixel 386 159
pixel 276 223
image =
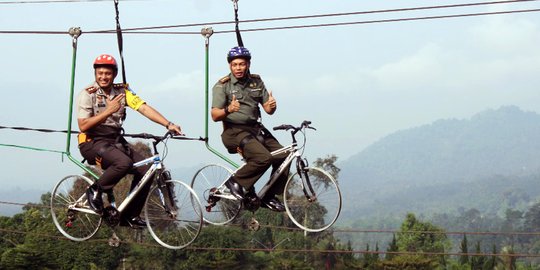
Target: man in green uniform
pixel 235 102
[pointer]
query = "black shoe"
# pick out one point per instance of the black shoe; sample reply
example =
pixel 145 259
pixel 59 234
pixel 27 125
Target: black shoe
pixel 235 188
pixel 135 222
pixel 273 204
pixel 95 200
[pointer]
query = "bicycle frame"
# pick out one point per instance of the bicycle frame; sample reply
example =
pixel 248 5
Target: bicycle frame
pixel 292 149
pixel 293 153
pixel 148 176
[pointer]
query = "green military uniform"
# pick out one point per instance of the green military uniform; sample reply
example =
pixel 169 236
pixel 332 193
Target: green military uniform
pixel 240 129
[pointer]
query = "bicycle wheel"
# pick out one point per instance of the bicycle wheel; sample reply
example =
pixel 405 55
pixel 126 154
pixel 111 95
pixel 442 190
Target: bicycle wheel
pixel 70 210
pixel 173 226
pixel 221 208
pixel 319 212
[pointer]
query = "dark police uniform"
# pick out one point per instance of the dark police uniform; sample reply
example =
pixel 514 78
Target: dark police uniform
pixel 243 129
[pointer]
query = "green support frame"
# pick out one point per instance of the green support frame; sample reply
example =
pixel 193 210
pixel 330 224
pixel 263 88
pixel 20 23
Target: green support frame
pixel 207 32
pixel 75 32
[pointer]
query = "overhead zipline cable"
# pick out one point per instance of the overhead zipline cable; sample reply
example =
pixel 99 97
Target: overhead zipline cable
pixel 135 30
pixel 56 1
pixel 139 31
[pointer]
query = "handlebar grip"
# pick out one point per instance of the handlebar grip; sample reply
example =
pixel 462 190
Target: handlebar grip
pixel 142 135
pixel 281 127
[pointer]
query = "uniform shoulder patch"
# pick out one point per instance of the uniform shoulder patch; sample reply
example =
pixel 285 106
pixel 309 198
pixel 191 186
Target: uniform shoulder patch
pixel 225 79
pixel 91 89
pixel 256 76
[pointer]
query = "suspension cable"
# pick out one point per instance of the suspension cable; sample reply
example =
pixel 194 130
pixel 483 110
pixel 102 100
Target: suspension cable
pixel 237 29
pixel 120 41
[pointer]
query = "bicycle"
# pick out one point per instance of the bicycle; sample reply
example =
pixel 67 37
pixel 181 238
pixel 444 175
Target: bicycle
pixel 172 210
pixel 312 197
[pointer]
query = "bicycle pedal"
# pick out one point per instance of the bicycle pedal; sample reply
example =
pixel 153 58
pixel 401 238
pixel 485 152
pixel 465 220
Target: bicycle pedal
pixel 69 224
pixel 209 207
pixel 111 216
pixel 252 203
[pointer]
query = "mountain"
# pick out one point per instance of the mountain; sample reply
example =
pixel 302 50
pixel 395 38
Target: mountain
pixel 446 158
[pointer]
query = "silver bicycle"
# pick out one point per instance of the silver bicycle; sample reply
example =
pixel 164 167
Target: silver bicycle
pixel 312 197
pixel 172 209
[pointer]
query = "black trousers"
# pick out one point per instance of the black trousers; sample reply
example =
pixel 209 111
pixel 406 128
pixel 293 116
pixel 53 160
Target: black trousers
pixel 257 156
pixel 117 161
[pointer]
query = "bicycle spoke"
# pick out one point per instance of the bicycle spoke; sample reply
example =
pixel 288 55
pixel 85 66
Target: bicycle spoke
pixel 176 229
pixel 205 183
pixel 73 224
pixel 316 215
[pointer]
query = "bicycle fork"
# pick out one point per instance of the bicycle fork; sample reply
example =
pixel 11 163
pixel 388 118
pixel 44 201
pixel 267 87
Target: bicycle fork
pixel 166 192
pixel 302 169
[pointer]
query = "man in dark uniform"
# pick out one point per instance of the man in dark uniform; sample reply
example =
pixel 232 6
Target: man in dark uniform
pixel 236 99
pixel 101 110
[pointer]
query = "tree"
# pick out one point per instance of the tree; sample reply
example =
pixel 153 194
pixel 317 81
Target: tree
pixel 417 236
pixel 392 247
pixel 464 259
pixel 492 261
pixel 477 262
pixel 368 258
pixel 348 258
pixel 328 164
pixel 532 218
pixel 508 259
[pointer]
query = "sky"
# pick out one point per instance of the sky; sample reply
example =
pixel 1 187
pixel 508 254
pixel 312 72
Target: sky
pixel 356 83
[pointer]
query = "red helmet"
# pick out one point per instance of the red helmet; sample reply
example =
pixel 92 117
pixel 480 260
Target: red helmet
pixel 106 60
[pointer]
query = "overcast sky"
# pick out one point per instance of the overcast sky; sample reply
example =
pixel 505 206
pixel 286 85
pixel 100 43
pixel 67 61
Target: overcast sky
pixel 356 83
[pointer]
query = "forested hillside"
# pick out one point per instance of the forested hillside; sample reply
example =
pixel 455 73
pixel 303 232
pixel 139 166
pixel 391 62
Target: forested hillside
pixel 489 162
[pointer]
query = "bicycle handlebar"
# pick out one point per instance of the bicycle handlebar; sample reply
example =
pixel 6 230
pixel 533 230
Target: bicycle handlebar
pixel 305 124
pixel 160 138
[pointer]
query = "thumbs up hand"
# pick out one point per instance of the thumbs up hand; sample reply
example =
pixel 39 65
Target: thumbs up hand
pixel 271 103
pixel 234 106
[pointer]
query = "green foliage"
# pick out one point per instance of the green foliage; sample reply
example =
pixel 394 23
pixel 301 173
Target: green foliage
pixel 418 236
pixel 328 164
pixel 392 247
pixel 478 261
pixel 464 249
pixel 408 262
pixel 422 237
